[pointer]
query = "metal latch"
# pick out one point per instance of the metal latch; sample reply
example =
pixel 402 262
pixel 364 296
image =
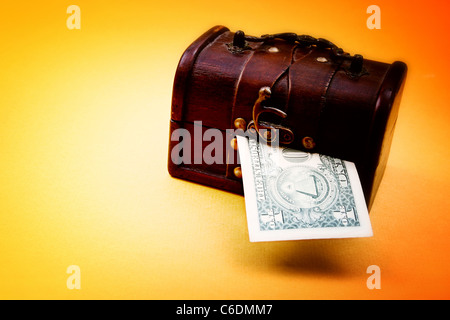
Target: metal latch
pixel 272 132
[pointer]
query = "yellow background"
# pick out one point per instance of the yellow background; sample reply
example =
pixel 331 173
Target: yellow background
pixel 84 120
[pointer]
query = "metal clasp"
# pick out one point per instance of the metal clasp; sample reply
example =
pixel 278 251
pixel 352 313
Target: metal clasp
pixel 272 131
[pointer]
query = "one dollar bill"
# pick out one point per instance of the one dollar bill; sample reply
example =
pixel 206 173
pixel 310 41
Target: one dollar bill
pixel 292 195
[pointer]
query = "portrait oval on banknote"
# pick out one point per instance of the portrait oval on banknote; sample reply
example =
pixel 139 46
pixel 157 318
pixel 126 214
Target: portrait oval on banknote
pixel 303 187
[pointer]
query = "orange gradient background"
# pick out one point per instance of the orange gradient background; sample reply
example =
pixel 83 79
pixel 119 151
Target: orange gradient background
pixel 84 133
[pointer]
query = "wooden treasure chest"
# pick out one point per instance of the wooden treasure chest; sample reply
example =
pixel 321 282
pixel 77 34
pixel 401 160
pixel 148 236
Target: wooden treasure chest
pixel 318 97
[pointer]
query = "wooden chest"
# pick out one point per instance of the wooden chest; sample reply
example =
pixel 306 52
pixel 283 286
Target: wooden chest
pixel 320 98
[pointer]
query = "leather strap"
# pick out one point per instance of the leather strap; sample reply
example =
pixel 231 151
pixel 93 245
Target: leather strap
pixel 310 79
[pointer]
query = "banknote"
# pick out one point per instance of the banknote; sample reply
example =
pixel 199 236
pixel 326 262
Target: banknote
pixel 293 195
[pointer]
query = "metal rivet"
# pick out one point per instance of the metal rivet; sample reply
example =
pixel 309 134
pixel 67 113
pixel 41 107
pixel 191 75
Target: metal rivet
pixel 321 59
pixel 234 144
pixel 240 123
pixel 308 142
pixel 267 134
pixel 273 50
pixel 238 172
